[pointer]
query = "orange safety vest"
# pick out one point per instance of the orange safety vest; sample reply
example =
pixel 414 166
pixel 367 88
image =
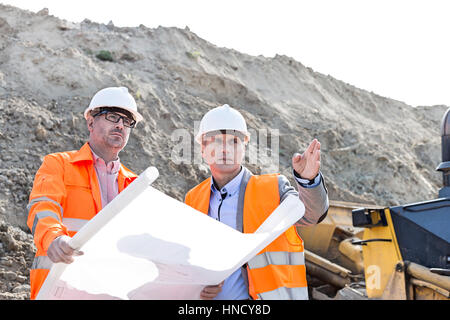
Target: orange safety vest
pixel 278 271
pixel 65 196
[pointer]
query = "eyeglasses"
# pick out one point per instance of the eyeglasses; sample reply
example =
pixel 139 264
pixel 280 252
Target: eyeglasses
pixel 115 118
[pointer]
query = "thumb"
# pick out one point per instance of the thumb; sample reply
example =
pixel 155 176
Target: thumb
pixel 297 157
pixel 78 253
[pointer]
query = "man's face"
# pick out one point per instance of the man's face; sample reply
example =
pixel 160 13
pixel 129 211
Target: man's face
pixel 108 134
pixel 223 152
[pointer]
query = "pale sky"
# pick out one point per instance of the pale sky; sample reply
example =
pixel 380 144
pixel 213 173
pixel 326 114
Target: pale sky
pixel 398 48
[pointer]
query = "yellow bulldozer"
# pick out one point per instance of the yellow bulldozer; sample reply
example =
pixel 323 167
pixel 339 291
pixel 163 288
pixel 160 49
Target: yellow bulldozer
pixel 401 252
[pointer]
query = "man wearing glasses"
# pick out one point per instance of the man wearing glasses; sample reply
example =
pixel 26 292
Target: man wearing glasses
pixel 70 188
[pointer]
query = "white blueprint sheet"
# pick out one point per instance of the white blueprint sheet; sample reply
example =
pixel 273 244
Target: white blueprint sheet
pixel 147 245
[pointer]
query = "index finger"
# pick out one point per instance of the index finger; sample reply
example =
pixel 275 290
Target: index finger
pixel 311 146
pixel 317 145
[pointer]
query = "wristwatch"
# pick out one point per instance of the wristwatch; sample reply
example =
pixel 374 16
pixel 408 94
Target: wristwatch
pixel 310 182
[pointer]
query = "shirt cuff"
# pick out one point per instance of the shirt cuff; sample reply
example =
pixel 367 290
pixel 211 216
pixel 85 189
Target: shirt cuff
pixel 305 183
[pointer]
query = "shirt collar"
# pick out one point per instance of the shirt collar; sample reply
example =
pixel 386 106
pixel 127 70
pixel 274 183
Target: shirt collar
pixel 231 187
pixel 112 167
pixel 84 154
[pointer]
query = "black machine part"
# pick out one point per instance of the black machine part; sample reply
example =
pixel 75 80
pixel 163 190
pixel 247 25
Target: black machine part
pixel 368 218
pixel 442 272
pixel 423 232
pixel 444 166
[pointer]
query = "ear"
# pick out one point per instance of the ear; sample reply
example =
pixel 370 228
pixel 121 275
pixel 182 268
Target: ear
pixel 202 149
pixel 246 140
pixel 90 123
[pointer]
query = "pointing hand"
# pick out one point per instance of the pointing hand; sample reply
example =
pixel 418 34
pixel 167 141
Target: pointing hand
pixel 307 165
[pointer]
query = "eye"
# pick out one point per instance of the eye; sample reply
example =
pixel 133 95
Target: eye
pixel 113 116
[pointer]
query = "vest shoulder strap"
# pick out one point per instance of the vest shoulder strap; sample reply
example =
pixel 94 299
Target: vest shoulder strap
pixel 261 198
pixel 198 197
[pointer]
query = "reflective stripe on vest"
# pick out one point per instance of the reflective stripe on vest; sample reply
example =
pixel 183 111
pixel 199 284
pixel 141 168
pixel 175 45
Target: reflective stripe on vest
pixel 44 213
pixel 285 294
pixel 73 224
pixel 36 200
pixel 276 258
pixel 41 262
pixel 41 215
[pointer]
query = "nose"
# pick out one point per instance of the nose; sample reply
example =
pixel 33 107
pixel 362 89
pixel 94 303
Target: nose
pixel 120 124
pixel 221 148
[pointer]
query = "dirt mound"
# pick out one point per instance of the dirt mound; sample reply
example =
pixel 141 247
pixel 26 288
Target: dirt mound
pixel 375 149
pixel 16 255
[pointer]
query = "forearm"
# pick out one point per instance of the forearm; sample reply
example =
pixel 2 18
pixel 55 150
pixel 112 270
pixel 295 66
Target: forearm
pixel 314 198
pixel 45 209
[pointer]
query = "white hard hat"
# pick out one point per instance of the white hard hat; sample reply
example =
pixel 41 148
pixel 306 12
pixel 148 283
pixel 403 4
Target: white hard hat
pixel 114 97
pixel 222 118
